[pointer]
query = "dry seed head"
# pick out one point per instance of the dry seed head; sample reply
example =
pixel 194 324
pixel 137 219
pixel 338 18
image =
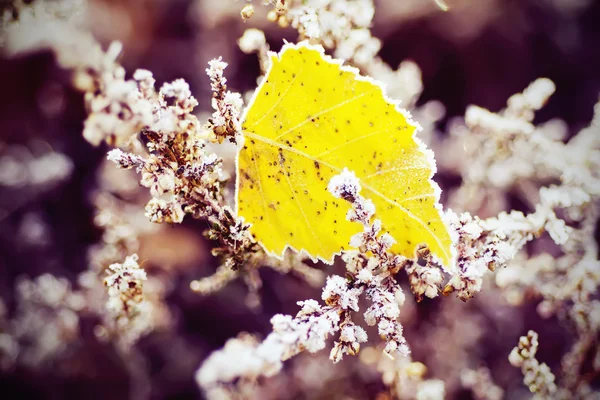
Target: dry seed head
pixel 283 22
pixel 247 12
pixel 281 7
pixel 272 16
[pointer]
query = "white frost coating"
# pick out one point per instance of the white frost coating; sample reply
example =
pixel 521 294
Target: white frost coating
pixel 310 24
pixel 215 69
pixel 336 290
pixel 344 184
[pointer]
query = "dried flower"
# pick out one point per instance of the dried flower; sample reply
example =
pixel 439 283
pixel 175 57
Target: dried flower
pixel 247 12
pixel 538 377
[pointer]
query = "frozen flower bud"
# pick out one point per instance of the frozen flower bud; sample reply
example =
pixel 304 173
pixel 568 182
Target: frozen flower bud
pixel 534 96
pixel 345 185
pixel 336 291
pixel 514 358
pixel 558 230
pixel 357 240
pixel 247 12
pixel 309 306
pixel 361 212
pixel 387 240
pixel 272 16
pixel 215 69
pixel 372 264
pixel 310 24
pixel 283 22
pixel 280 322
pixel 390 347
pixel 125 160
pixel 351 336
pixel 158 210
pixel 424 280
pixel 252 40
pixel 178 89
pixel 145 81
pixel 360 334
pixel 124 283
pixel 364 275
pixel 234 100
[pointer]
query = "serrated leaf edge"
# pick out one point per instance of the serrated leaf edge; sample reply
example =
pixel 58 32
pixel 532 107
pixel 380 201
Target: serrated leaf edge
pixel 437 191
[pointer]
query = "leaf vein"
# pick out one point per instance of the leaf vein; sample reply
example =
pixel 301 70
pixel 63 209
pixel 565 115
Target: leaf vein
pixel 364 184
pixel 287 178
pixel 279 100
pixel 336 106
pixel 262 194
pixel 385 171
pixel 352 141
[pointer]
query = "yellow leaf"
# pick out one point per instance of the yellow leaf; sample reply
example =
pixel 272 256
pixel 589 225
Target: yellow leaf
pixel 311 117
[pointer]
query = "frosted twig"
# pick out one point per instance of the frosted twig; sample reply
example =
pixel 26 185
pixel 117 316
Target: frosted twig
pixel 538 377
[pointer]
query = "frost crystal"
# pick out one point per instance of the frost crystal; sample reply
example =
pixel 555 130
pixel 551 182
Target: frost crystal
pixel 345 185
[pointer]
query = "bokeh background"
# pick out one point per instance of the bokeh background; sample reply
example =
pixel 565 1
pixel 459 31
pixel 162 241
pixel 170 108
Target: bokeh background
pixel 480 52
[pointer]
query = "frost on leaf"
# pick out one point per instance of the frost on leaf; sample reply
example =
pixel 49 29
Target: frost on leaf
pixel 309 119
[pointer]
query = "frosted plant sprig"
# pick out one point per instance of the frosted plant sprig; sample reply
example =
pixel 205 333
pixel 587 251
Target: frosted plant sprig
pixel 337 24
pixel 308 330
pixel 190 186
pixel 376 272
pixel 567 284
pixel 505 149
pixel 509 143
pixel 182 176
pixel 314 323
pixel 225 121
pixel 424 276
pixel 484 245
pixel 347 186
pixel 124 317
pixel 125 287
pixel 126 303
pixel 126 160
pixel 537 377
pixel 134 304
pixel 387 297
pixel 344 26
pixel 568 288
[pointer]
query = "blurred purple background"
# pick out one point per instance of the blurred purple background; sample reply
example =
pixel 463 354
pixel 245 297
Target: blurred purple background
pixel 465 59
